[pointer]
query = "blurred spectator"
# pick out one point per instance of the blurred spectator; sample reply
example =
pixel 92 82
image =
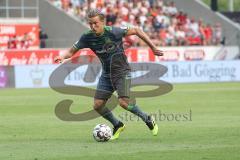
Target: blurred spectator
pixel 57 3
pixel 20 42
pixel 163 36
pixel 25 41
pixel 201 31
pixel 162 17
pixel 111 16
pixel 217 34
pixel 208 34
pixel 182 18
pixel 157 25
pixel 171 9
pixel 70 10
pixel 42 37
pixel 193 25
pixel 12 42
pixel 180 36
pixel 65 4
pixel 169 38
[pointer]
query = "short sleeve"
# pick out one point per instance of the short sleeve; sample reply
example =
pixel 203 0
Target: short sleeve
pixel 120 32
pixel 81 43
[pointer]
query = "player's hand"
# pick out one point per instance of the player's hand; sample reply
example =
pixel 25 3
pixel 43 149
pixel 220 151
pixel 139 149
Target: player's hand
pixel 58 59
pixel 157 52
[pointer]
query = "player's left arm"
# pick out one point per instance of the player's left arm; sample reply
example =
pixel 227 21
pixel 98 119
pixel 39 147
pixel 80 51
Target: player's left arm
pixel 141 34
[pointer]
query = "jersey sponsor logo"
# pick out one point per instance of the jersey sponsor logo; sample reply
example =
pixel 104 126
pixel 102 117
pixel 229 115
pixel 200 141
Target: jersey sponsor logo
pixel 109 48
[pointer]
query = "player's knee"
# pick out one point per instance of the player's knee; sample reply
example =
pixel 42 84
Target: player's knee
pixel 98 104
pixel 123 103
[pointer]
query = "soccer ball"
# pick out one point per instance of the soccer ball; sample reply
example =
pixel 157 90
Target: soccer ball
pixel 102 133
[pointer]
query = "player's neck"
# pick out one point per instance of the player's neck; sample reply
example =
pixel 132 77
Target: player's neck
pixel 101 33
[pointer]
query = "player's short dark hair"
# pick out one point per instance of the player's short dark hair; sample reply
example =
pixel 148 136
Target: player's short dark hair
pixel 95 12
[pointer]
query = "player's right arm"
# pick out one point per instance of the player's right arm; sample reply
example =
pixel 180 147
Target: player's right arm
pixel 66 55
pixel 80 44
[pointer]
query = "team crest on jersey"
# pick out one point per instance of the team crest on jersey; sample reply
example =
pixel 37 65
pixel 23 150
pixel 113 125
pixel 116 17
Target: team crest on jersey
pixel 125 27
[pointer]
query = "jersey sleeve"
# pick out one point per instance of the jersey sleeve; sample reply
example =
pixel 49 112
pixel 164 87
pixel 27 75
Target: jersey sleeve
pixel 120 32
pixel 81 43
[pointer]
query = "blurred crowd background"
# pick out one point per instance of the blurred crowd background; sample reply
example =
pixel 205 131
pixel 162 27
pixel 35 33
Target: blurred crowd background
pixel 163 22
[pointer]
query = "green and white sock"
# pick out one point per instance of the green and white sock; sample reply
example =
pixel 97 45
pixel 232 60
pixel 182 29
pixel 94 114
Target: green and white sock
pixel 107 114
pixel 137 111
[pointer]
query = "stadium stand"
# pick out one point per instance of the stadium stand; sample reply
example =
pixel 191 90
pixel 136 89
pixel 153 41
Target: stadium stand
pixel 168 23
pixel 159 19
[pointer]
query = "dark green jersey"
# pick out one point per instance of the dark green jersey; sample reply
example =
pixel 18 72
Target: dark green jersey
pixel 108 47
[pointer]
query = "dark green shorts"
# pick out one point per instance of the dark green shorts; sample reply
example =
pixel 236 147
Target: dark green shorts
pixel 107 85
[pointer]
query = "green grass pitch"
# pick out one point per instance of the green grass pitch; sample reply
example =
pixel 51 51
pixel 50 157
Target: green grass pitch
pixel 29 129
